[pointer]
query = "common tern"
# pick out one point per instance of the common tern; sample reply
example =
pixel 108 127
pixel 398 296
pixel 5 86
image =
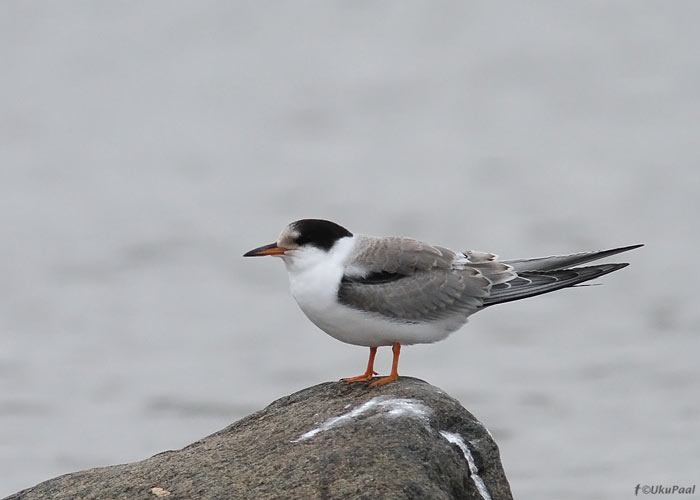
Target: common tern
pixel 393 291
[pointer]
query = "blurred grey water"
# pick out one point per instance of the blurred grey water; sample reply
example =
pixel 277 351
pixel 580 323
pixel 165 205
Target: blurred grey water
pixel 144 146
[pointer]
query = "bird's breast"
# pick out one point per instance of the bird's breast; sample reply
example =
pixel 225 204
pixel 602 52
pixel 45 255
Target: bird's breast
pixel 315 288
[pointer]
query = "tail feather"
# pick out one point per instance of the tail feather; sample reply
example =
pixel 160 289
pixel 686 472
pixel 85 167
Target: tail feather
pixel 532 283
pixel 560 262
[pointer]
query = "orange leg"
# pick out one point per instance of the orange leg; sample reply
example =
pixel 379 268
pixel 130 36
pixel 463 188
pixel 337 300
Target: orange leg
pixel 396 349
pixel 370 369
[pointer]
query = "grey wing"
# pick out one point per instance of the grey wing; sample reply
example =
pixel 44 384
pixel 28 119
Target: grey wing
pixel 407 280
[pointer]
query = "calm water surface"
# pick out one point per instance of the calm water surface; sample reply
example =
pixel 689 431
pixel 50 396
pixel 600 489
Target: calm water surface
pixel 145 146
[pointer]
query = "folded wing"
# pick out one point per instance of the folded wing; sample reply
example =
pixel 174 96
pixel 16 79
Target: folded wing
pixel 407 280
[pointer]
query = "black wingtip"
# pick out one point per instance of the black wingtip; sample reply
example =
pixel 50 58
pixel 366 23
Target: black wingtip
pixel 615 251
pixel 609 268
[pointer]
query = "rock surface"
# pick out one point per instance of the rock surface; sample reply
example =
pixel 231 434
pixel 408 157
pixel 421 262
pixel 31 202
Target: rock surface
pixel 406 439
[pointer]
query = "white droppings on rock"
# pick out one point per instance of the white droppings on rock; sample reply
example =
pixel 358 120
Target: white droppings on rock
pixel 160 492
pixel 390 407
pixel 473 471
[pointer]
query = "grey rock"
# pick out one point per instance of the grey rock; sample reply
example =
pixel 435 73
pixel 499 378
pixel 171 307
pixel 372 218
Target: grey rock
pixel 406 439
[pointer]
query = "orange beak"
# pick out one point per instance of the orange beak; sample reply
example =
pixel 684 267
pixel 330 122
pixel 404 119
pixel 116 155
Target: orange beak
pixel 271 249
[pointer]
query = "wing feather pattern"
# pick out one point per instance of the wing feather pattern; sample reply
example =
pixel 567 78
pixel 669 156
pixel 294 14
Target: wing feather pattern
pixel 407 280
pixel 532 283
pixel 410 281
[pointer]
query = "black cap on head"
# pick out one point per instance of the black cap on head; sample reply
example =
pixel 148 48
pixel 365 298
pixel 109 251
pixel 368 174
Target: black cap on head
pixel 319 233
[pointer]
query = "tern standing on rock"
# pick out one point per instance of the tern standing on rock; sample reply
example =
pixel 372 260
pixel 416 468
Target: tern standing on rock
pixel 394 291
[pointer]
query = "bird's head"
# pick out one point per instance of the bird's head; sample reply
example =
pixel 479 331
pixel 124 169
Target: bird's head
pixel 303 240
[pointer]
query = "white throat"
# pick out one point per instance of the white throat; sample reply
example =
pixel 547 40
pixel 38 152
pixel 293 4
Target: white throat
pixel 310 259
pixel 315 274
